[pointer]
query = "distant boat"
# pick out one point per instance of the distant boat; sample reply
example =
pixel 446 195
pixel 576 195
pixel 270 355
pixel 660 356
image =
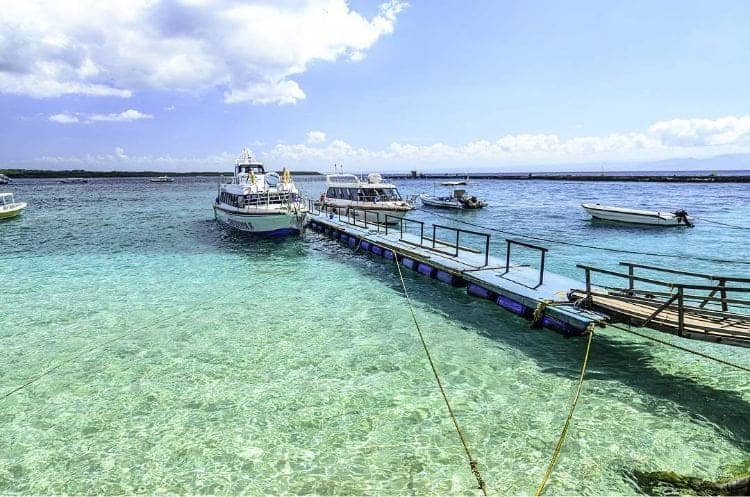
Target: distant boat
pixel 638 216
pixel 74 181
pixel 458 199
pixel 4 180
pixel 9 207
pixel 456 183
pixel 162 179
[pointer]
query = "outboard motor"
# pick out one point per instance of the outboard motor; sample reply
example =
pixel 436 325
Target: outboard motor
pixel 682 217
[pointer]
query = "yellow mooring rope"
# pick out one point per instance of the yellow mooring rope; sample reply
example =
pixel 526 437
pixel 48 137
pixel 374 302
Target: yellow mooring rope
pixel 560 441
pixel 472 462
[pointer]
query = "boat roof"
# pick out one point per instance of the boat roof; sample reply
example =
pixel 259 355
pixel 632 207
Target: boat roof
pixel 373 180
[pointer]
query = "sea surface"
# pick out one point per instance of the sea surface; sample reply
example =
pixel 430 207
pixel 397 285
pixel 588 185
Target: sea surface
pixel 146 350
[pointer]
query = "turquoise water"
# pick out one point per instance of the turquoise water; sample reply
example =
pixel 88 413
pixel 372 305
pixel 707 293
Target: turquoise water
pixel 189 359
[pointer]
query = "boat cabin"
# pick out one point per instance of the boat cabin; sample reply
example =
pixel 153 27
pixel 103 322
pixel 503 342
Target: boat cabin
pixel 384 194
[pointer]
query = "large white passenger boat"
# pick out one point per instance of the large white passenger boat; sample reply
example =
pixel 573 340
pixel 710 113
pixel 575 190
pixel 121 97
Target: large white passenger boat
pixel 638 216
pixel 347 194
pixel 258 202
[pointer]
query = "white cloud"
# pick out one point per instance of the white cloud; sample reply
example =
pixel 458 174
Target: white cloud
pixel 724 135
pixel 316 137
pixel 251 50
pixel 703 132
pixel 663 139
pixel 63 118
pixel 124 116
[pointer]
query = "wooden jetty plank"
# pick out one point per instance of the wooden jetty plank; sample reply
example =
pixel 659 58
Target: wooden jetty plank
pixel 696 325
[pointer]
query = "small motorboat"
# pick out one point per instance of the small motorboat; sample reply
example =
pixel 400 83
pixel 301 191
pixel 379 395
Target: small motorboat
pixel 9 207
pixel 458 199
pixel 4 180
pixel 74 181
pixel 162 179
pixel 638 216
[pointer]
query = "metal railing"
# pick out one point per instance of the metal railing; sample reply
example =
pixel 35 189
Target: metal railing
pixel 510 242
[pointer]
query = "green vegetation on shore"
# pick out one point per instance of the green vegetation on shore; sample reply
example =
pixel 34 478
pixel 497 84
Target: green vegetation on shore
pixel 80 173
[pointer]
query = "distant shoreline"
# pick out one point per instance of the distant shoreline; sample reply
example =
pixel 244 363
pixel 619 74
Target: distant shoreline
pixel 669 177
pixel 80 173
pixel 665 177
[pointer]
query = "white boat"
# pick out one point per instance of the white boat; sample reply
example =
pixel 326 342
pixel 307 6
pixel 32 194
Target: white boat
pixel 257 202
pixel 458 199
pixel 638 216
pixel 162 179
pixel 9 207
pixel 4 180
pixel 373 198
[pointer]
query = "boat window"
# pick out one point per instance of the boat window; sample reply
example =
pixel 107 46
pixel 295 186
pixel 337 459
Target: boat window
pixel 331 192
pixel 352 193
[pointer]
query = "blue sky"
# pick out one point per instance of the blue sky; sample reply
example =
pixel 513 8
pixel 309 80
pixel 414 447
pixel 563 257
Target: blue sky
pixel 391 86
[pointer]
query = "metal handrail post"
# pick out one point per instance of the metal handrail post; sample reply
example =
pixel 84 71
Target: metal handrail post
pixel 723 284
pixel 507 256
pixel 588 284
pixel 487 250
pixel 433 235
pixel 421 234
pixel 541 271
pixel 458 233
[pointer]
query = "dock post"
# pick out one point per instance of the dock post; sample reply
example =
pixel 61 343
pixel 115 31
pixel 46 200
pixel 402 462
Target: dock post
pixel 723 284
pixel 680 312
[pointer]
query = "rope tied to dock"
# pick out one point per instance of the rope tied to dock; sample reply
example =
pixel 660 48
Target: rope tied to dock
pixel 472 462
pixel 537 318
pixel 561 439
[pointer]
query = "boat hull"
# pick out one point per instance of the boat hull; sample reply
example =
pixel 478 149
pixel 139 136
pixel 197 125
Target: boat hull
pixel 274 224
pixel 632 216
pixel 12 212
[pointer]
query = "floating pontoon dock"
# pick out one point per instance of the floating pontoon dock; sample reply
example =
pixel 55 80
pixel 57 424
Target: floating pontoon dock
pixel 462 258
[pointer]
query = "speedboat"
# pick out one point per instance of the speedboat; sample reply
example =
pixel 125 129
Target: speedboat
pixel 4 180
pixel 74 181
pixel 638 216
pixel 9 207
pixel 376 200
pixel 458 199
pixel 162 179
pixel 257 202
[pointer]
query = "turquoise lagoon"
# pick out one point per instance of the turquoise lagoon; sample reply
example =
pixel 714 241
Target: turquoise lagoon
pixel 183 358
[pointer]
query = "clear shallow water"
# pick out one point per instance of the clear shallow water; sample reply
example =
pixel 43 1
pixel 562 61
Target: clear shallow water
pixel 193 360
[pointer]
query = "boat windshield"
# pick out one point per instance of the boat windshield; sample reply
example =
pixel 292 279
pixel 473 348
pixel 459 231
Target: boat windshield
pixel 247 169
pixel 6 198
pixel 364 194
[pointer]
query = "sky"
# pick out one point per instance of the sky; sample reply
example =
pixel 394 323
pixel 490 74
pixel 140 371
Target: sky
pixel 385 85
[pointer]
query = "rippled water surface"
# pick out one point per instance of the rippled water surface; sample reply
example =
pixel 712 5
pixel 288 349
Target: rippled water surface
pixel 182 358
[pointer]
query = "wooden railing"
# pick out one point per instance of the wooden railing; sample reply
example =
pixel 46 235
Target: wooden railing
pixel 680 295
